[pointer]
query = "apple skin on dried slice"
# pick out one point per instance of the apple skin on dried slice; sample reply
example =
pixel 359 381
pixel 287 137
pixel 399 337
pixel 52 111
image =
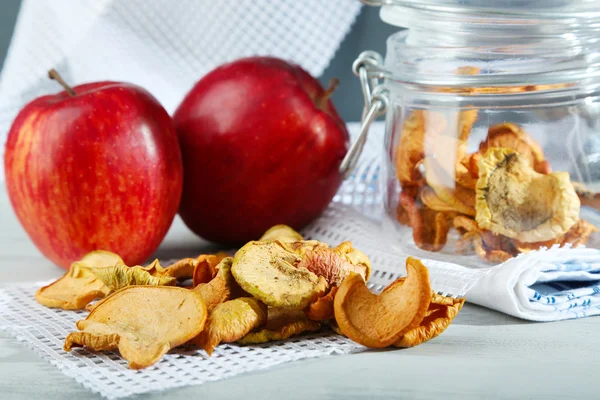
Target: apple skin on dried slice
pixel 379 321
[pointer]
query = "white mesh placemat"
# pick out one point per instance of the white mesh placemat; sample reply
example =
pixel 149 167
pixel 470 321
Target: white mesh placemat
pixel 106 373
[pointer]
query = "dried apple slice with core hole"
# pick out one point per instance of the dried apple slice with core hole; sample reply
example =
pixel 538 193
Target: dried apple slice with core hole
pixel 269 272
pixel 378 321
pixel 143 322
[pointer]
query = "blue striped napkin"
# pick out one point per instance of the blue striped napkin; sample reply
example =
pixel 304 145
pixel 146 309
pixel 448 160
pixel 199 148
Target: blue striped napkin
pixel 545 285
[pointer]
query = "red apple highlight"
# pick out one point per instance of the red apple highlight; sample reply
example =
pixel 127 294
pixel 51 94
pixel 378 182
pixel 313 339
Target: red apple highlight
pixel 262 145
pixel 96 166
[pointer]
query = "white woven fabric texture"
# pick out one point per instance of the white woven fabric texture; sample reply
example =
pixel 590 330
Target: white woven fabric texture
pixel 162 45
pixel 44 329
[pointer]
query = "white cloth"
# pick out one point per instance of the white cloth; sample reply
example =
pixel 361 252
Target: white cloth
pixel 164 46
pixel 544 285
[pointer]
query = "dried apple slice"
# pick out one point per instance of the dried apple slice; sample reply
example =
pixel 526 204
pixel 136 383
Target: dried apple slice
pixel 221 288
pixel 410 150
pixel 269 272
pixel 334 264
pixel 322 309
pixel 511 136
pixel 282 233
pixel 430 228
pixel 378 321
pixel 431 200
pixel 355 257
pixel 120 275
pixel 231 321
pixel 282 323
pixel 587 197
pixel 459 197
pixel 576 236
pixel 440 314
pixel 515 201
pixel 206 267
pixel 143 322
pixel 79 286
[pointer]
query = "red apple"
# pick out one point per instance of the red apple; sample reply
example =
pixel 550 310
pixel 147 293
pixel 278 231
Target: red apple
pixel 261 145
pixel 97 166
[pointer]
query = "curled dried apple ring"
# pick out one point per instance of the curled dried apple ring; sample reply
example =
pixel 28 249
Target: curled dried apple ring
pixel 378 321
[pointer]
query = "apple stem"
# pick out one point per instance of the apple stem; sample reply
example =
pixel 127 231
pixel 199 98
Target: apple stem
pixel 52 74
pixel 322 101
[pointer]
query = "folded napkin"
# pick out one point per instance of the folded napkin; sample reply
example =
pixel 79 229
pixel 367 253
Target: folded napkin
pixel 545 285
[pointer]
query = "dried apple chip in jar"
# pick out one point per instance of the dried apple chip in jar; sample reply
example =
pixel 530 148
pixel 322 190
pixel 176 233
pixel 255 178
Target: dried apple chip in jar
pixel 442 310
pixel 282 323
pixel 430 227
pixel 515 201
pixel 576 236
pixel 142 322
pixel 487 245
pixel 511 136
pixel 410 150
pixel 270 273
pixel 462 199
pixel 587 197
pixel 79 286
pixel 378 321
pixel 230 321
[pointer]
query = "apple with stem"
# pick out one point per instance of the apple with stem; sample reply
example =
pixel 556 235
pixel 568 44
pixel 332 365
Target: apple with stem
pixel 96 166
pixel 262 145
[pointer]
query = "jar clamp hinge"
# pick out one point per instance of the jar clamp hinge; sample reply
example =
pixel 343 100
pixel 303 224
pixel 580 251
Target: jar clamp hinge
pixel 376 104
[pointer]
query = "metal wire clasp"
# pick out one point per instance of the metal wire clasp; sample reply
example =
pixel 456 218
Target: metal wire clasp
pixel 376 104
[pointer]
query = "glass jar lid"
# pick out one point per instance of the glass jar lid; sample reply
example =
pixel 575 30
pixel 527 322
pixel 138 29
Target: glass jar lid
pixel 550 45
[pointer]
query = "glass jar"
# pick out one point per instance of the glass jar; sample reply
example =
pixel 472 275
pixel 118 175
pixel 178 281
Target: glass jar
pixel 492 143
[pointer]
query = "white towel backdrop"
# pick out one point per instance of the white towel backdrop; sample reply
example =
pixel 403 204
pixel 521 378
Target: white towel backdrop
pixel 162 45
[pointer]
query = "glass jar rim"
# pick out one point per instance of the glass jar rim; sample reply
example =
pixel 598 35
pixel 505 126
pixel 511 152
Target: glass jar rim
pixel 547 9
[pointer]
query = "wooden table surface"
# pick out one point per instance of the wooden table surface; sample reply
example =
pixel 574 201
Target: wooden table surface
pixel 482 355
